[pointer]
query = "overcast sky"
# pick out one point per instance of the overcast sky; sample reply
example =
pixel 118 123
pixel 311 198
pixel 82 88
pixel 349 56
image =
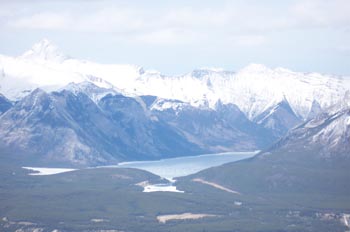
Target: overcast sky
pixel 176 36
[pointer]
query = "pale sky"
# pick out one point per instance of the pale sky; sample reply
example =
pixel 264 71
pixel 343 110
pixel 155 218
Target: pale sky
pixel 177 36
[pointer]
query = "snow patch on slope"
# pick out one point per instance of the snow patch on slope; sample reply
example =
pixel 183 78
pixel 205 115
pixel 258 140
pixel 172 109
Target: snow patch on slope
pixel 164 104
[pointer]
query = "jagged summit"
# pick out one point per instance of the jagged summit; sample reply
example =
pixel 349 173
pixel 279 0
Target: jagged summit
pixel 315 110
pixel 280 118
pixel 44 50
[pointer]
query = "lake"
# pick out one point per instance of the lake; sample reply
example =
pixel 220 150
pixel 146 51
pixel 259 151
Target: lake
pixel 183 166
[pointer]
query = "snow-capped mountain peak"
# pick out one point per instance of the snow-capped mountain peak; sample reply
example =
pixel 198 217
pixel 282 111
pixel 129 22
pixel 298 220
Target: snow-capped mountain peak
pixel 45 66
pixel 44 50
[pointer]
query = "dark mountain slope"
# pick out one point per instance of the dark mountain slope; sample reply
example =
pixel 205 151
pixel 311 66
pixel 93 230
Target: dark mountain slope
pixel 5 104
pixel 143 132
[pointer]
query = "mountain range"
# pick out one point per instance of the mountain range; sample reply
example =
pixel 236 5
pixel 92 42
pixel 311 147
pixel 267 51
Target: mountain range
pixel 253 89
pixel 67 111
